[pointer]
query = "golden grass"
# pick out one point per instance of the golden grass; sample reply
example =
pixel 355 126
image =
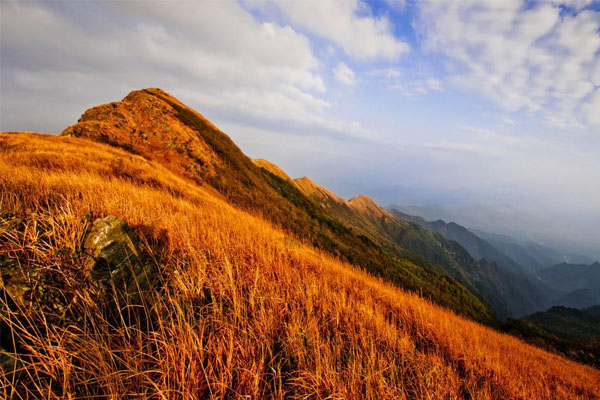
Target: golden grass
pixel 247 311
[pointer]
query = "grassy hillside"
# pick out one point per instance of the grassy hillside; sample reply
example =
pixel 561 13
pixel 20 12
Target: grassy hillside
pixel 244 310
pixel 155 125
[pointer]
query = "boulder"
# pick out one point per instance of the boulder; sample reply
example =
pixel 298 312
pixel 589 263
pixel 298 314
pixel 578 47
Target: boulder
pixel 113 259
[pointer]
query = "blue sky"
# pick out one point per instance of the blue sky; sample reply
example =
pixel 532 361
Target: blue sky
pixel 450 102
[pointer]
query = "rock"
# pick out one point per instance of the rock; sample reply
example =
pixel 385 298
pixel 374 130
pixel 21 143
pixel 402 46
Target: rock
pixel 114 259
pixel 109 244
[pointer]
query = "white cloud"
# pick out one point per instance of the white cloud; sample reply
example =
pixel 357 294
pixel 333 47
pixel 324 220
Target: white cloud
pixel 533 58
pixel 348 23
pixel 214 55
pixel 591 109
pixel 344 74
pixel 411 82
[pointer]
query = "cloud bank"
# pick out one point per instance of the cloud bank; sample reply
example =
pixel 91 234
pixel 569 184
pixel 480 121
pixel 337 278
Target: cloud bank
pixel 541 57
pixel 213 54
pixel 347 23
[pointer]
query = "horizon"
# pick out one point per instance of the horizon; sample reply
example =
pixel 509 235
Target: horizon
pixel 408 102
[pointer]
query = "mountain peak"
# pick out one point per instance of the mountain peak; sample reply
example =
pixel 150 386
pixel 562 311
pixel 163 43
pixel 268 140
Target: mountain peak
pixel 309 188
pixel 272 168
pixel 154 124
pixel 365 205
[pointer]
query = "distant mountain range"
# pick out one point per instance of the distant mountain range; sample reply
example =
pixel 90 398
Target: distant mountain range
pixel 520 289
pixel 475 245
pixel 531 255
pixel 499 281
pixel 572 325
pixel 572 285
pixel 570 242
pixel 579 282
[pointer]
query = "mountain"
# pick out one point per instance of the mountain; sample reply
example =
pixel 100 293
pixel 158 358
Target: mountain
pixel 572 332
pixel 272 168
pixel 130 268
pixel 567 238
pixel 521 292
pixel 153 124
pixel 505 219
pixel 507 293
pixel 530 254
pixel 578 298
pixel 580 283
pixel 477 247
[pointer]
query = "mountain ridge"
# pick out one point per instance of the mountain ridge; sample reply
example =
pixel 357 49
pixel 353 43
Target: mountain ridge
pixel 487 279
pixel 244 306
pixel 153 124
pixel 272 168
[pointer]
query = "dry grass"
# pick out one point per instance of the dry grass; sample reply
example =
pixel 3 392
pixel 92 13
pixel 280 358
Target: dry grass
pixel 246 311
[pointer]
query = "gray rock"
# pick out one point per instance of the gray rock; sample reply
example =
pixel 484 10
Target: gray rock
pixel 114 260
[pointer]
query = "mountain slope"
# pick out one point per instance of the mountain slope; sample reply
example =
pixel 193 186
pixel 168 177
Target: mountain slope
pixel 569 277
pixel 155 125
pixel 477 247
pixel 508 294
pixel 524 293
pixel 244 308
pixel 569 322
pixel 364 216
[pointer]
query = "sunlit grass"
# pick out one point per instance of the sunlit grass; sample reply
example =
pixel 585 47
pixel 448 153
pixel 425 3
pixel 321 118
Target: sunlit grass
pixel 246 311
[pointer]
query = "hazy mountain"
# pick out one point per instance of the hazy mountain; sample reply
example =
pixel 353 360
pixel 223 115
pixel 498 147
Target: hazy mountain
pixel 520 288
pixel 569 277
pixel 571 241
pixel 477 247
pixel 503 219
pixel 530 254
pixel 578 298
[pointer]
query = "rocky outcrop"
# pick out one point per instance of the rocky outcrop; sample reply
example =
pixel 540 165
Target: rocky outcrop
pixel 113 259
pixel 112 266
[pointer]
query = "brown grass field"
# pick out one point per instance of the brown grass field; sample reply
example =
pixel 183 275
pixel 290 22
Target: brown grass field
pixel 246 310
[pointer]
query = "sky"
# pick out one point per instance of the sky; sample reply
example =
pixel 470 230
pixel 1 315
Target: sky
pixel 457 103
